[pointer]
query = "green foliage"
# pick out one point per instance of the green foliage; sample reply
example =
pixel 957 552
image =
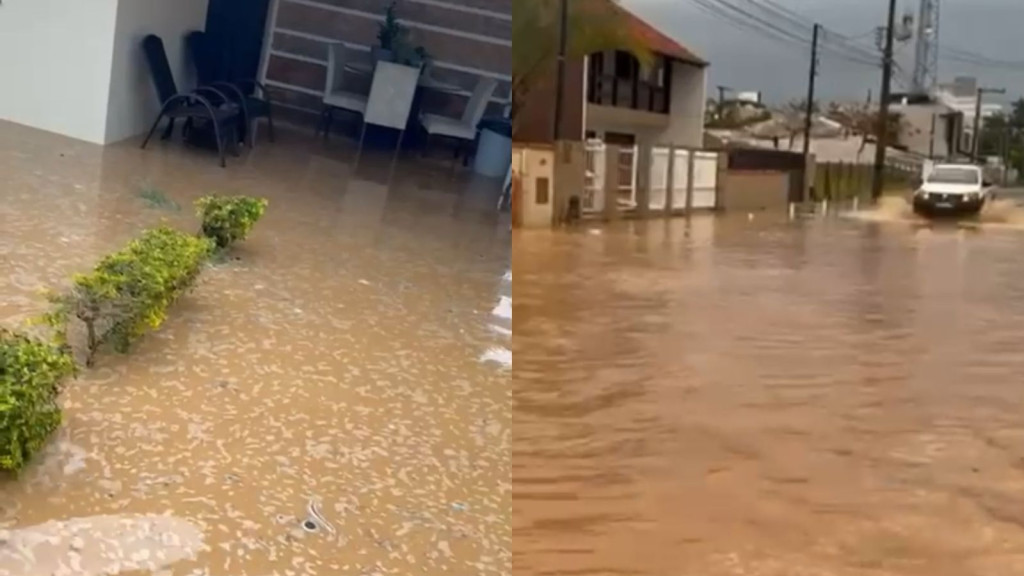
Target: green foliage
pixel 31 373
pixel 390 32
pixel 229 219
pixel 394 37
pixel 129 292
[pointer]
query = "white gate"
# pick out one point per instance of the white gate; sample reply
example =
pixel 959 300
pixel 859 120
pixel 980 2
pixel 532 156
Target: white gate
pixel 593 193
pixel 593 188
pixel 705 179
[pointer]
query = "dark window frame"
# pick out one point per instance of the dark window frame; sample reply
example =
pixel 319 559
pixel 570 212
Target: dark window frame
pixel 608 83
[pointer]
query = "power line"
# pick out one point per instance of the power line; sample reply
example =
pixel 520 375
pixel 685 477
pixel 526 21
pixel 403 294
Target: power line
pixel 967 57
pixel 771 27
pixel 777 10
pixel 787 20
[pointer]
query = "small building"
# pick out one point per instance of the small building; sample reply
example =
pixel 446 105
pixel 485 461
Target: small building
pixel 931 127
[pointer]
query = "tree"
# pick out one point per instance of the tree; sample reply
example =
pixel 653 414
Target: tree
pixel 994 130
pixel 794 119
pixel 1007 130
pixel 593 26
pixel 863 120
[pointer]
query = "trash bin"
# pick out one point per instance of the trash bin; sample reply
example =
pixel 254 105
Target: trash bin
pixel 494 148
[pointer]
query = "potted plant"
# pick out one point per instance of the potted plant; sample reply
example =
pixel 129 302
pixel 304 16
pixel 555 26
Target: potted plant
pixel 390 35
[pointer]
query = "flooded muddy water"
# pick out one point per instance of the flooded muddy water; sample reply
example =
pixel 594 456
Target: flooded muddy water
pixel 322 403
pixel 734 396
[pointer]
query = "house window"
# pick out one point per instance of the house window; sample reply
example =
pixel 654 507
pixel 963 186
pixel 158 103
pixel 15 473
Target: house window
pixel 626 66
pixel 658 74
pixel 619 139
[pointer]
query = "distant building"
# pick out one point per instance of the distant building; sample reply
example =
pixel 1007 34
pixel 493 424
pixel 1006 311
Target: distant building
pixel 749 97
pixel 962 96
pixel 941 124
pixel 931 127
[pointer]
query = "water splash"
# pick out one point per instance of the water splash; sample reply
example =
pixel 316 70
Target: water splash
pixel 504 308
pixel 998 213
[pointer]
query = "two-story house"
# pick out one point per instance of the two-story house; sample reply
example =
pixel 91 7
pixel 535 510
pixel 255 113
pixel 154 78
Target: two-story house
pixel 609 96
pixel 662 104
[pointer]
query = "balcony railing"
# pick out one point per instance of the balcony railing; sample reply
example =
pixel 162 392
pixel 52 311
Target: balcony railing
pixel 634 94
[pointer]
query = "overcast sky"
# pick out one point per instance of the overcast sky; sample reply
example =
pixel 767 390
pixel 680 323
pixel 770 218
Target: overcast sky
pixel 746 61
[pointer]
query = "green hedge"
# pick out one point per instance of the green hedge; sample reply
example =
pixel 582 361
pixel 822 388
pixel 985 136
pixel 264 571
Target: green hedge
pixel 129 292
pixel 229 219
pixel 31 373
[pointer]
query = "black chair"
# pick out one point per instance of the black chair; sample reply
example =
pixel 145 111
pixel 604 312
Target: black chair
pixel 203 109
pixel 211 70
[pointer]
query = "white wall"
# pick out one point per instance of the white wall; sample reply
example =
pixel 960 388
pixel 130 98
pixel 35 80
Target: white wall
pixel 686 122
pixel 55 61
pixel 133 102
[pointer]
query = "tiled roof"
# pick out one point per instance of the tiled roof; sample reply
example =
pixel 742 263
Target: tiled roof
pixel 656 40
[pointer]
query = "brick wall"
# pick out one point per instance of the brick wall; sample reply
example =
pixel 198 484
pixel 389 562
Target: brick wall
pixel 467 39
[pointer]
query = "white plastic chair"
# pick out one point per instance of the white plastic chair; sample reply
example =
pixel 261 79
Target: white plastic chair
pixel 335 97
pixel 391 97
pixel 464 128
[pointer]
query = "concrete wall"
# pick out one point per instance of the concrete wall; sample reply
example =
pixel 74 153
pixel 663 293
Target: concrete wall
pixel 917 131
pixel 647 127
pixel 754 190
pixel 133 101
pixel 686 122
pixel 55 58
pixel 684 126
pixel 532 184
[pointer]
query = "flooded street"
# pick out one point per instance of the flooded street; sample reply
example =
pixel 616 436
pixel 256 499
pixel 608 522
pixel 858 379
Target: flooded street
pixel 741 396
pixel 322 404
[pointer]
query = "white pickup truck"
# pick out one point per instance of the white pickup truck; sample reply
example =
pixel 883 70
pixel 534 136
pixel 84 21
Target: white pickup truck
pixel 952 189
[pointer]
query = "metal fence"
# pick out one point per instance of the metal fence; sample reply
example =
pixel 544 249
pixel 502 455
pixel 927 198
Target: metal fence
pixel 845 181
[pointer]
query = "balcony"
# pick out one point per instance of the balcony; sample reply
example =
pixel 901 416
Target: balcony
pixel 615 79
pixel 620 95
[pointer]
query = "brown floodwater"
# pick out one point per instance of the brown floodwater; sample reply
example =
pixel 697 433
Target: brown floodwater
pixel 754 396
pixel 333 399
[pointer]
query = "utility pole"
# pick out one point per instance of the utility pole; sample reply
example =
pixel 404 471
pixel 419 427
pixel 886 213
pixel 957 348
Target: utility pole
pixel 976 135
pixel 882 139
pixel 1006 154
pixel 809 119
pixel 931 139
pixel 721 95
pixel 563 37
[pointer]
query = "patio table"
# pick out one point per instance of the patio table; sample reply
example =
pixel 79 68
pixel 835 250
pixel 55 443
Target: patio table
pixel 384 138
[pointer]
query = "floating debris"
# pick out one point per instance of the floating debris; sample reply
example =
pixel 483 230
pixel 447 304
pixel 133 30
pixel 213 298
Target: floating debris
pixel 498 355
pixel 315 518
